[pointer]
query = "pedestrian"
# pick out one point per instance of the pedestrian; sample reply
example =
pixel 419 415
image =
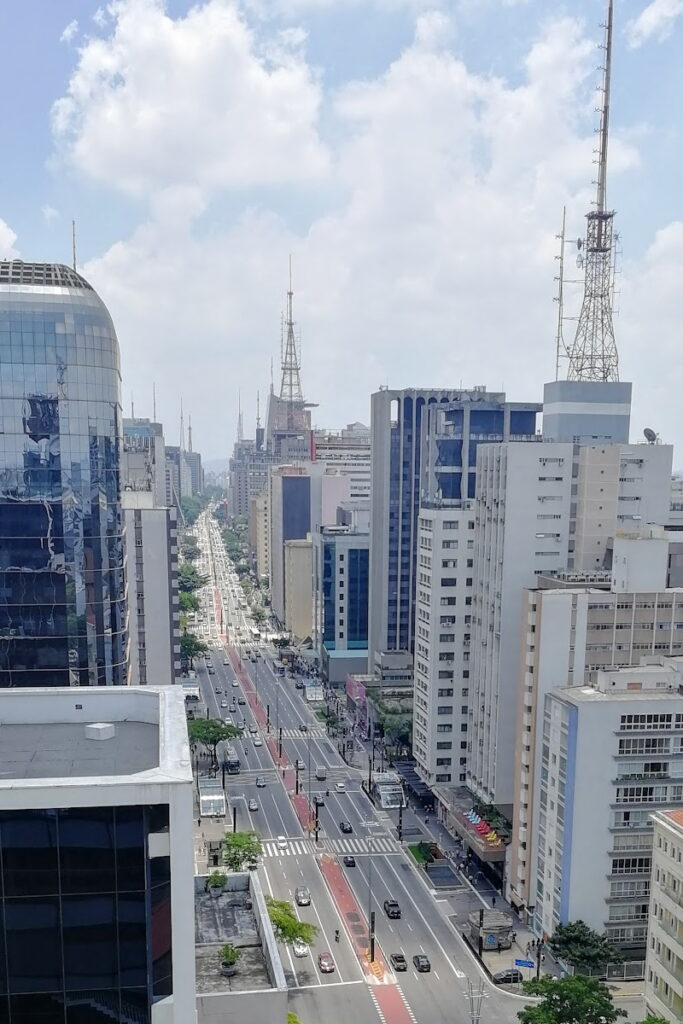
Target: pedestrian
pixel 493 901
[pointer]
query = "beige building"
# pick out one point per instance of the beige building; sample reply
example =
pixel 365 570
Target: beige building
pixel 261 530
pixel 664 962
pixel 299 587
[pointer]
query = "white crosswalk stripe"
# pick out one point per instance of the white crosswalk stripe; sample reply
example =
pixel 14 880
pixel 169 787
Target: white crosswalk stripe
pixel 379 844
pixel 316 732
pixel 295 847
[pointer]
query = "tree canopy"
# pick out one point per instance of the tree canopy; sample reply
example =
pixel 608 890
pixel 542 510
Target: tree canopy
pixel 575 1000
pixel 286 924
pixel 240 848
pixel 189 579
pixel 583 948
pixel 189 602
pixel 191 506
pixel 210 732
pixel 191 646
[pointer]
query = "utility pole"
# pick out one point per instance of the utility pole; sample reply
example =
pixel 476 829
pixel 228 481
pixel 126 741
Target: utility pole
pixel 279 743
pixel 371 913
pixel 267 717
pixel 399 830
pixel 475 997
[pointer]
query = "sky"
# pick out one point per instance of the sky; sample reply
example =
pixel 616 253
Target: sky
pixel 412 156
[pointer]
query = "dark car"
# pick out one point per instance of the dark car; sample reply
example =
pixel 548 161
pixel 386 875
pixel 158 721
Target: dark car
pixel 422 963
pixel 260 782
pixel 349 861
pixel 241 701
pixel 319 800
pixel 398 962
pixel 392 909
pixel 509 977
pixel 303 727
pixel 346 827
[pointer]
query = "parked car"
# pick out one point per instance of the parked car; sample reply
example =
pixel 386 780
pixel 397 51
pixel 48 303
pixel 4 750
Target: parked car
pixel 349 861
pixel 253 805
pixel 398 962
pixel 326 963
pixel 422 963
pixel 346 827
pixel 302 896
pixel 509 977
pixel 392 909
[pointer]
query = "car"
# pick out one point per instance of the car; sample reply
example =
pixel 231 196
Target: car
pixel 510 977
pixel 253 804
pixel 392 909
pixel 300 764
pixel 258 742
pixel 235 683
pixel 253 729
pixel 303 727
pixel 421 963
pixel 233 708
pixel 319 800
pixel 398 962
pixel 224 703
pixel 282 843
pixel 326 963
pixel 349 861
pixel 346 827
pixel 211 670
pixel 218 689
pixel 299 948
pixel 241 701
pixel 340 787
pixel 260 782
pixel 226 661
pixel 302 896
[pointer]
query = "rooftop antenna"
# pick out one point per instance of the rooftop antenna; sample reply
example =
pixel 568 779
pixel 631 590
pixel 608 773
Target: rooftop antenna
pixel 154 401
pixel 132 406
pixel 240 422
pixel 593 355
pixel 258 410
pixel 560 347
pixel 290 386
pixel 189 433
pixel 73 242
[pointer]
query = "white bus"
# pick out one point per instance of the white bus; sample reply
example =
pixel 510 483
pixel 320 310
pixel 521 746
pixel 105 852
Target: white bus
pixel 254 633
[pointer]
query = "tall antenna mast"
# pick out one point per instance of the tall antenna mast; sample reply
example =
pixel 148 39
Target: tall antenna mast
pixel 258 410
pixel 593 355
pixel 559 340
pixel 240 423
pixel 73 242
pixel 189 433
pixel 290 386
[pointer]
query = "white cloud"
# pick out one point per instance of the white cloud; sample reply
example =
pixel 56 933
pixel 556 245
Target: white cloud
pixel 49 213
pixel 161 102
pixel 7 240
pixel 70 32
pixel 655 21
pixel 426 252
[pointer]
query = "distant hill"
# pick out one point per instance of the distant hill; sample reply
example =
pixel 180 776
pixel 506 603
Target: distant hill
pixel 217 465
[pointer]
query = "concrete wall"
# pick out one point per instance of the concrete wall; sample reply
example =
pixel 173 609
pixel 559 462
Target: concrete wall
pixel 299 587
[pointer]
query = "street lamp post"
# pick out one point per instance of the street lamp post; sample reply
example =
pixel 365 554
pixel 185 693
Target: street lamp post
pixel 371 915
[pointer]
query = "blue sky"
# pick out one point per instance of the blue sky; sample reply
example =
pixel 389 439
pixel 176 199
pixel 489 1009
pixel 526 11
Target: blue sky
pixel 413 156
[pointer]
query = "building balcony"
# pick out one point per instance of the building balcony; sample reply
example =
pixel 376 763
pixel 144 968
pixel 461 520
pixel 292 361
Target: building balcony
pixel 674 931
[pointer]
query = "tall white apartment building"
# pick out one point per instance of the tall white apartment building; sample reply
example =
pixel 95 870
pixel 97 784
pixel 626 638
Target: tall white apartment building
pixel 664 959
pixel 443 630
pixel 541 507
pixel 612 754
pixel 261 515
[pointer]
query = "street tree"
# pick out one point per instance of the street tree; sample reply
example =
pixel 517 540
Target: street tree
pixel 571 1000
pixel 286 924
pixel 188 602
pixel 192 647
pixel 292 1018
pixel 581 947
pixel 240 848
pixel 210 732
pixel 653 1020
pixel 189 579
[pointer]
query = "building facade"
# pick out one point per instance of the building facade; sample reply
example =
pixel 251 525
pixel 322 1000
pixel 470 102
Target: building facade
pixel 96 856
pixel 664 960
pixel 341 559
pixel 63 611
pixel 299 587
pixel 348 452
pixel 143 464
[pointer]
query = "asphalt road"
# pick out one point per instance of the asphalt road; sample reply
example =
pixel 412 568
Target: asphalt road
pixel 438 996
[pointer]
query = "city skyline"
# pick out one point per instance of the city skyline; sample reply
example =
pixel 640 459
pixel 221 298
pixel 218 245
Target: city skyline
pixel 401 225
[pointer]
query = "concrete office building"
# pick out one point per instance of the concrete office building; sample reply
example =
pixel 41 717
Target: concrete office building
pixel 443 640
pixel 249 467
pixel 664 958
pixel 153 600
pixel 143 463
pixel 348 452
pixel 398 423
pixel 261 517
pixel 298 575
pixel 63 614
pixel 541 507
pixel 340 598
pixel 573 625
pixel 96 855
pixel 612 753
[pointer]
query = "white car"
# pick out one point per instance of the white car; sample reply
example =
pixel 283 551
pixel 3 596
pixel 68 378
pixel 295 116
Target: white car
pixel 282 843
pixel 340 787
pixel 235 683
pixel 258 742
pixel 224 703
pixel 299 948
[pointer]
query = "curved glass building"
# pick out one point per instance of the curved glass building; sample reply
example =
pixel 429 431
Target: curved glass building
pixel 62 587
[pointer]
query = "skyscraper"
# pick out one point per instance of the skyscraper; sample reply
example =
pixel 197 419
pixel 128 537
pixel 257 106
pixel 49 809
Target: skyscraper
pixel 62 589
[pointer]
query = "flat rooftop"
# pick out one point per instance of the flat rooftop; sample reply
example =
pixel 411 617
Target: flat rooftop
pixel 228 918
pixel 57 750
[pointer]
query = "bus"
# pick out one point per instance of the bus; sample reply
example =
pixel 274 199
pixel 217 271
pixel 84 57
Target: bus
pixel 232 761
pixel 255 634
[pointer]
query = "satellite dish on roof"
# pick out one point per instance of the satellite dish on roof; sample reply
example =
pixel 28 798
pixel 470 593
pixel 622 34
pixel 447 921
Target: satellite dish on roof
pixel 649 435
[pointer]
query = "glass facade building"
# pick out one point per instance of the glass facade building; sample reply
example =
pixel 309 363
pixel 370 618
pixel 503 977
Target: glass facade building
pixel 62 587
pixel 85 915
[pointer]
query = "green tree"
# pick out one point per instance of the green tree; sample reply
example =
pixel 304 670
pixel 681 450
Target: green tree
pixel 240 848
pixel 190 547
pixel 286 924
pixel 576 1000
pixel 188 602
pixel 583 948
pixel 192 647
pixel 258 614
pixel 191 506
pixel 189 579
pixel 292 1018
pixel 654 1020
pixel 210 732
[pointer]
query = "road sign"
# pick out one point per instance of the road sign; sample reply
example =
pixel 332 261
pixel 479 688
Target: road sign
pixel 525 963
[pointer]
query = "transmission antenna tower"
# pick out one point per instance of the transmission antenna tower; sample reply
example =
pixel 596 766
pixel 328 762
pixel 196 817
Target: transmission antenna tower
pixel 593 355
pixel 290 386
